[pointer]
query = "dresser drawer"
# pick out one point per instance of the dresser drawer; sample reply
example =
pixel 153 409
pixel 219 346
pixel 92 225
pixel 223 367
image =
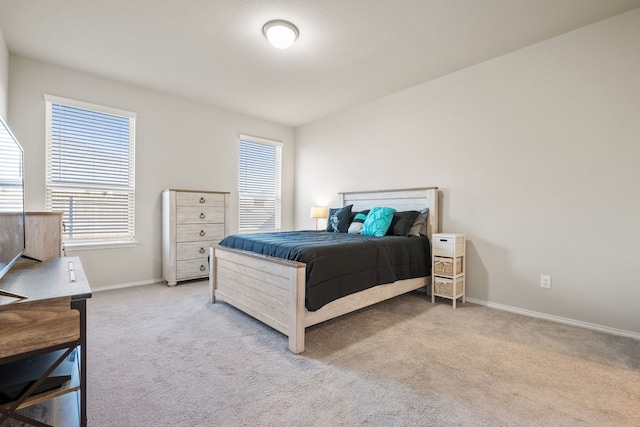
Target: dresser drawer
pixel 443 246
pixel 192 268
pixel 189 198
pixel 200 214
pixel 199 232
pixel 448 245
pixel 193 250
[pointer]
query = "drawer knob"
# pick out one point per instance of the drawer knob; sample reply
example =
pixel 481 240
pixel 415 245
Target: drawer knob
pixel 443 240
pixel 202 215
pixel 202 200
pixel 202 233
pixel 201 250
pixel 202 268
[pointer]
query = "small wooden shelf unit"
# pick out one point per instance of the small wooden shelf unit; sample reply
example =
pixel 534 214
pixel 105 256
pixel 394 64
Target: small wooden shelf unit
pixel 448 266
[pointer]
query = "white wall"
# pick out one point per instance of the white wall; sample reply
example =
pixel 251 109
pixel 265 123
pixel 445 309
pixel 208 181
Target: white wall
pixel 179 144
pixel 536 155
pixel 4 76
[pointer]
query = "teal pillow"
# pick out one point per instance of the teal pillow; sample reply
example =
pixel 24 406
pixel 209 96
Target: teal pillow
pixel 378 221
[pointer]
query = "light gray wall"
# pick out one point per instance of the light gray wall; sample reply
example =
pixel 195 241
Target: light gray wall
pixel 179 144
pixel 536 155
pixel 4 76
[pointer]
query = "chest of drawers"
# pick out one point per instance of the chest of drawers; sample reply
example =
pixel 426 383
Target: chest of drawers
pixel 192 221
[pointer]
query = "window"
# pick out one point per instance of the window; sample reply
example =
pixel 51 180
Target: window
pixel 258 184
pixel 90 155
pixel 11 173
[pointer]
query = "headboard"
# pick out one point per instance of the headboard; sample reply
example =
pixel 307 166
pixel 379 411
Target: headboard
pixel 402 200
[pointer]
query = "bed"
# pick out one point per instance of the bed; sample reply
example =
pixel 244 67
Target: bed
pixel 273 290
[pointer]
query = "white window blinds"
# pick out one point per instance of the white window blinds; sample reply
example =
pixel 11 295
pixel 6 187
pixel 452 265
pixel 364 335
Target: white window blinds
pixel 90 171
pixel 258 184
pixel 10 174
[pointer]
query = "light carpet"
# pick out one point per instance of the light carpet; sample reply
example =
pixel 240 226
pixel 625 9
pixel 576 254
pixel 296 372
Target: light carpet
pixel 160 356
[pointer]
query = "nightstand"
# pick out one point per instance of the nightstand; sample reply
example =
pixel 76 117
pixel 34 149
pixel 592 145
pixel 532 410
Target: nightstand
pixel 448 267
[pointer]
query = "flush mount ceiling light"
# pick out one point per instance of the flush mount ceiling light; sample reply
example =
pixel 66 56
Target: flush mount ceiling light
pixel 281 34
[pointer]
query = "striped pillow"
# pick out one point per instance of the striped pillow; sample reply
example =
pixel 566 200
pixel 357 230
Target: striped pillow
pixel 357 223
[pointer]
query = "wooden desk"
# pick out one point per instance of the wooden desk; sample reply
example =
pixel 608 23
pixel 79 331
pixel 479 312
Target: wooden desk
pixel 52 317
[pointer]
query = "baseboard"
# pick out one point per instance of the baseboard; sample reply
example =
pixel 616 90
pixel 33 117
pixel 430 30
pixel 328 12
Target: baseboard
pixel 126 285
pixel 557 319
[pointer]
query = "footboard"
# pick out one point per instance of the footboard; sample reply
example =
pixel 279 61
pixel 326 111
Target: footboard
pixel 269 289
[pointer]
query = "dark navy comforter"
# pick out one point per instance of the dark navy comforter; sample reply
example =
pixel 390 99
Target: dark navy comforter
pixel 340 264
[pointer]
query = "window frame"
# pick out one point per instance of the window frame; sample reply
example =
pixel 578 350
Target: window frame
pixel 93 243
pixel 277 197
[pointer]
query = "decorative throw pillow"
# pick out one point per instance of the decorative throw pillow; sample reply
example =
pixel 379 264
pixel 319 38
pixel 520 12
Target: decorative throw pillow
pixel 378 221
pixel 353 214
pixel 357 223
pixel 339 219
pixel 419 227
pixel 402 223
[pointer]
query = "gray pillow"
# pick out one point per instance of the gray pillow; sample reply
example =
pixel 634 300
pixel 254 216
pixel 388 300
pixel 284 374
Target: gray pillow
pixel 419 227
pixel 402 223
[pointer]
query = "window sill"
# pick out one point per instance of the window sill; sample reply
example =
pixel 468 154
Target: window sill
pixel 259 230
pixel 89 246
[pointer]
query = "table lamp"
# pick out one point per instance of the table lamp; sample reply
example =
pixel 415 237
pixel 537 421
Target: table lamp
pixel 318 212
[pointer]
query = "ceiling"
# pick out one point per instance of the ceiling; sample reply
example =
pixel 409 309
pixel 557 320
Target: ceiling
pixel 348 52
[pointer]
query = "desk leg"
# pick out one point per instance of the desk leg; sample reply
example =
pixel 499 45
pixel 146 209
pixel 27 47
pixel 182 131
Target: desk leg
pixel 81 306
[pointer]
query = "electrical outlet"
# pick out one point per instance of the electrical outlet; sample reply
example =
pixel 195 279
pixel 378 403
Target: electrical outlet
pixel 545 282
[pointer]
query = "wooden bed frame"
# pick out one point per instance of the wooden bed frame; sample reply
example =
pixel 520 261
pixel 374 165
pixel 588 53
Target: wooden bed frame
pixel 273 290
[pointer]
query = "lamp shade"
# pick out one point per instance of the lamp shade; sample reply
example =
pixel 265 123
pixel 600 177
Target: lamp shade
pixel 319 212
